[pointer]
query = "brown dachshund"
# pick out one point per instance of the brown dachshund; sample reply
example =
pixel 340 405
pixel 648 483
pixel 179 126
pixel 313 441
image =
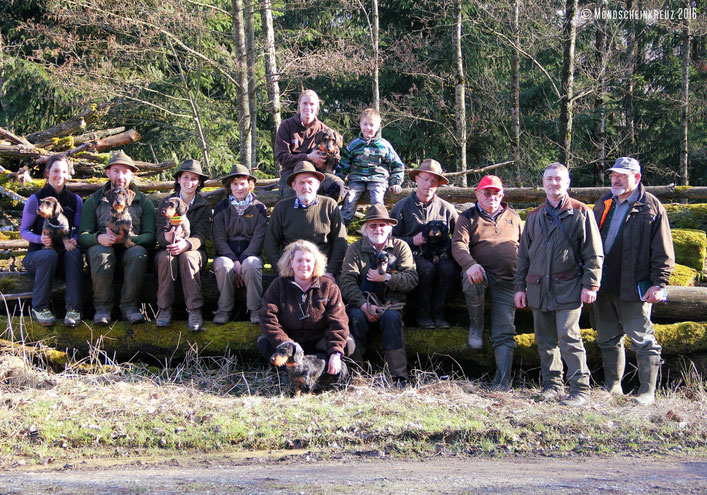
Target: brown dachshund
pixel 304 371
pixel 120 222
pixel 55 224
pixel 175 211
pixel 328 142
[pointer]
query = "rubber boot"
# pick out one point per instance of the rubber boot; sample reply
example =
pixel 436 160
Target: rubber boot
pixel 648 368
pixel 614 363
pixel 504 366
pixel 397 362
pixel 475 306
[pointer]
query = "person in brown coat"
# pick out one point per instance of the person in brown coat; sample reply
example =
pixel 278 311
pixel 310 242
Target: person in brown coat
pixel 183 258
pixel 240 223
pixel 303 306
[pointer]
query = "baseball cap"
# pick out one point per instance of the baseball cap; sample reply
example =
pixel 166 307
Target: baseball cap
pixel 626 165
pixel 490 182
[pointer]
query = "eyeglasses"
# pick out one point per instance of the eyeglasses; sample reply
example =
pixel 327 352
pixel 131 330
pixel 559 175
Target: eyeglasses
pixel 489 194
pixel 373 225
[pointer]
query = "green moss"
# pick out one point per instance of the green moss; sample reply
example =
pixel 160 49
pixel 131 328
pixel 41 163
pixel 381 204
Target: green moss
pixel 101 159
pixel 693 216
pixel 683 276
pixel 690 247
pixel 65 143
pixel 9 235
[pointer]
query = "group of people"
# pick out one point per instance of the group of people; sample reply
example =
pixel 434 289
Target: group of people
pixel 329 295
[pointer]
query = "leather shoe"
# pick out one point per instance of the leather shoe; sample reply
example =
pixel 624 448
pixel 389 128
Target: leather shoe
pixel 576 399
pixel 425 322
pixel 102 316
pixel 441 322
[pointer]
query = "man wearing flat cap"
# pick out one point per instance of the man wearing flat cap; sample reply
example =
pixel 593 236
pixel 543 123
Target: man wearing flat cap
pixel 639 259
pixel 436 273
pixel 105 248
pixel 307 216
pixel 485 244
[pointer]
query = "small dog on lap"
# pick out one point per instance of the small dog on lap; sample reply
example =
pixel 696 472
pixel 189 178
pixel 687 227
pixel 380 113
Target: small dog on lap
pixel 120 222
pixel 439 245
pixel 177 226
pixel 56 225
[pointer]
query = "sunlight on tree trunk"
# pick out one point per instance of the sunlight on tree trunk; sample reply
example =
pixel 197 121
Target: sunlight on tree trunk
pixel 569 35
pixel 460 99
pixel 271 75
pixel 685 106
pixel 242 79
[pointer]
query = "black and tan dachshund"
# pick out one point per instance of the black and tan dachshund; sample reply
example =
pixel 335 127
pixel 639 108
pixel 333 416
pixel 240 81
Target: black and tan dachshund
pixel 307 372
pixel 439 245
pixel 329 142
pixel 55 224
pixel 379 261
pixel 120 222
pixel 175 211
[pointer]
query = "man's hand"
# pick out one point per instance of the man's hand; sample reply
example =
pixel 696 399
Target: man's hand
pixel 334 364
pixel 589 296
pixel 419 239
pixel 520 299
pixel 475 274
pixel 375 276
pixel 317 158
pixel 396 189
pixel 108 238
pixel 653 295
pixel 178 247
pixel 370 311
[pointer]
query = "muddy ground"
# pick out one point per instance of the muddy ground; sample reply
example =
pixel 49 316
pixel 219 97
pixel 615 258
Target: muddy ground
pixel 361 475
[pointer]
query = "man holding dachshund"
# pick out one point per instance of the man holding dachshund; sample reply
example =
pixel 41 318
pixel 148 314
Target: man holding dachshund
pixel 106 248
pixel 485 244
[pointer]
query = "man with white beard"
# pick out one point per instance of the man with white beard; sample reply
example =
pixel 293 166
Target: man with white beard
pixel 639 258
pixel 307 216
pixel 389 282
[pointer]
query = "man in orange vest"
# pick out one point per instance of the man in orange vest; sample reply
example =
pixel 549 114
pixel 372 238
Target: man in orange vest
pixel 639 258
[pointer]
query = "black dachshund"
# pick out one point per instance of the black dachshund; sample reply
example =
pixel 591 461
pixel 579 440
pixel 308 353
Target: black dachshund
pixel 379 261
pixel 438 245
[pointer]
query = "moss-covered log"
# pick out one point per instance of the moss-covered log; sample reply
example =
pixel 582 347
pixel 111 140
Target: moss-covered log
pixel 690 247
pixel 38 353
pixel 693 216
pixel 683 276
pixel 146 341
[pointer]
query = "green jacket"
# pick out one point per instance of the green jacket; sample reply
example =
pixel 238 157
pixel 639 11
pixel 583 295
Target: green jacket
pixel 96 212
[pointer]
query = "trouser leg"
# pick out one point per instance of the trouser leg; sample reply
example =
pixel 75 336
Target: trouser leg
pixel 391 323
pixel 610 340
pixel 42 264
pixel 135 266
pixel 226 283
pixel 376 192
pixel 285 190
pixel 252 273
pixel 445 276
pixel 102 263
pixel 474 295
pixel 265 348
pixel 73 274
pixel 190 265
pixel 423 293
pixel 167 272
pixel 358 328
pixel 546 339
pixel 572 349
pixel 501 295
pixel 348 210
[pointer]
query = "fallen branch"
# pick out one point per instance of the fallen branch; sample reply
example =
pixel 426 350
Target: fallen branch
pixel 70 126
pixel 12 195
pixel 13 138
pixel 89 136
pixel 478 170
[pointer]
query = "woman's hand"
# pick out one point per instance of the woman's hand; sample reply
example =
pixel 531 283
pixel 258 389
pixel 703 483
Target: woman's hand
pixel 47 240
pixel 178 247
pixel 237 267
pixel 334 367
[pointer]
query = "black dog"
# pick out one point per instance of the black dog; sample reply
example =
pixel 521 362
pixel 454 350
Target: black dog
pixel 120 222
pixel 306 372
pixel 55 224
pixel 438 245
pixel 379 261
pixel 175 211
pixel 329 142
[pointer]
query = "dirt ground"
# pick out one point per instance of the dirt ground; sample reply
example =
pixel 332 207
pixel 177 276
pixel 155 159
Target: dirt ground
pixel 303 474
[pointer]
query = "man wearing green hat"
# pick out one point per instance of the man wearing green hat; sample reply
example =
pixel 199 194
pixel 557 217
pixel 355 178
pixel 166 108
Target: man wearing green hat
pixel 105 248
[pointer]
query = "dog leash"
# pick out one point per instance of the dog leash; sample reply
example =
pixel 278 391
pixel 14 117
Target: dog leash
pixel 371 299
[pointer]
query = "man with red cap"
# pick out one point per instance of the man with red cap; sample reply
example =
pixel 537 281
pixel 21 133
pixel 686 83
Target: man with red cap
pixel 485 244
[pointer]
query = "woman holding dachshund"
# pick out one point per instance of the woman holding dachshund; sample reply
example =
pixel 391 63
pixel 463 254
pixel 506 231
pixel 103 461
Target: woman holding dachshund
pixel 181 256
pixel 44 262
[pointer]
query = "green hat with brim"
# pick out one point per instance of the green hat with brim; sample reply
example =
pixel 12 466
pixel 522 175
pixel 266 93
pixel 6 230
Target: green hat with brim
pixel 304 167
pixel 121 158
pixel 192 166
pixel 431 167
pixel 238 170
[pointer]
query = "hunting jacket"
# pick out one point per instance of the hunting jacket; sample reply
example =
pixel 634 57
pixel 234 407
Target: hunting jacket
pixel 294 141
pixel 547 268
pixel 412 215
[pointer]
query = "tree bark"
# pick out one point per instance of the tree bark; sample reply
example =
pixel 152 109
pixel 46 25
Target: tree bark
pixel 83 138
pixel 249 16
pixel 515 86
pixel 685 104
pixel 271 75
pixel 3 103
pixel 569 35
pixel 460 96
pixel 375 31
pixel 629 82
pixel 599 110
pixel 68 127
pixel 244 116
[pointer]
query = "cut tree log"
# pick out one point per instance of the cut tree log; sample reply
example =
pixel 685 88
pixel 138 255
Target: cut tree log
pixel 13 138
pixel 80 139
pixel 70 126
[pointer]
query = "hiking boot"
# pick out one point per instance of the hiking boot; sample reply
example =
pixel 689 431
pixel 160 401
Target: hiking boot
pixel 255 317
pixel 164 318
pixel 614 363
pixel 44 317
pixel 551 392
pixel 222 317
pixel 425 322
pixel 102 316
pixel 504 365
pixel 576 399
pixel 72 318
pixel 441 322
pixel 195 321
pixel 133 316
pixel 397 362
pixel 648 368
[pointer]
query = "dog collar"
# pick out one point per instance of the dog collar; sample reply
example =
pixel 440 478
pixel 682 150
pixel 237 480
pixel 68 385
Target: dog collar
pixel 321 148
pixel 175 220
pixel 291 365
pixel 54 226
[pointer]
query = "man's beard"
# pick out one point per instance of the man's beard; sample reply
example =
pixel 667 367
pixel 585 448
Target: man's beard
pixel 377 238
pixel 307 198
pixel 618 190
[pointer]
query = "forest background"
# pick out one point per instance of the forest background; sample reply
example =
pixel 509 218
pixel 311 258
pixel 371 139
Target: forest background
pixel 468 83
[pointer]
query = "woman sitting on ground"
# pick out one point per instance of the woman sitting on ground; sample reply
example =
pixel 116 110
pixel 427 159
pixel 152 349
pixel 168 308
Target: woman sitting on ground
pixel 240 223
pixel 305 307
pixel 183 257
pixel 43 262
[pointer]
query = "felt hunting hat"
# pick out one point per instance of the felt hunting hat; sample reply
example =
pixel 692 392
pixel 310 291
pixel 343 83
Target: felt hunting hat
pixel 490 182
pixel 192 166
pixel 238 170
pixel 431 167
pixel 626 165
pixel 378 212
pixel 121 158
pixel 304 167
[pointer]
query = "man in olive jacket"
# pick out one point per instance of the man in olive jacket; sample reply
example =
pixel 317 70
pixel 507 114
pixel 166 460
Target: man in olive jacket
pixel 559 265
pixel 105 248
pixel 639 260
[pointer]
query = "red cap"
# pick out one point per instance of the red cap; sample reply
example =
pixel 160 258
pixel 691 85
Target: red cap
pixel 490 182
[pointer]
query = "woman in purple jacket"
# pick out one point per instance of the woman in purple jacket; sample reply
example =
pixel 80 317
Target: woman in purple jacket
pixel 45 263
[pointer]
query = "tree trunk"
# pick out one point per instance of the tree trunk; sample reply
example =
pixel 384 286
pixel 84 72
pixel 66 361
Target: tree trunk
pixel 244 124
pixel 569 35
pixel 252 81
pixel 630 66
pixel 685 104
pixel 460 99
pixel 599 110
pixel 374 39
pixel 515 83
pixel 3 104
pixel 271 75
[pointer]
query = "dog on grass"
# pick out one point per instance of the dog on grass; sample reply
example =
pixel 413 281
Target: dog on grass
pixel 329 142
pixel 120 222
pixel 439 245
pixel 177 226
pixel 307 372
pixel 55 224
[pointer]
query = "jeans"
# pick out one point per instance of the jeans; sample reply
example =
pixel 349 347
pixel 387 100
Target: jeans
pixel 44 264
pixel 376 191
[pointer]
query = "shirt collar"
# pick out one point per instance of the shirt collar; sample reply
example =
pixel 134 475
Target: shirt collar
pixel 299 204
